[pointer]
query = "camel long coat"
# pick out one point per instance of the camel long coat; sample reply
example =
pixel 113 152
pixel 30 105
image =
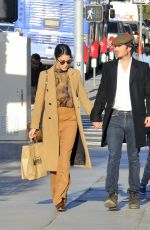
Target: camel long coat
pixel 46 101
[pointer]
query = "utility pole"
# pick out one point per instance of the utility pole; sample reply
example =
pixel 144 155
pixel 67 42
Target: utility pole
pixel 78 39
pixel 141 19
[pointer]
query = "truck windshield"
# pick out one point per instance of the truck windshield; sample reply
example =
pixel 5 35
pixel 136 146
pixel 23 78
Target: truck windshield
pixel 112 27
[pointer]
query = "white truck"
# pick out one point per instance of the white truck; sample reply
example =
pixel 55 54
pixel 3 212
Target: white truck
pixel 127 12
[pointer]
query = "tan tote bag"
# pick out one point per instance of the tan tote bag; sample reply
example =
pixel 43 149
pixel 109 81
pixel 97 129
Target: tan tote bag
pixel 32 161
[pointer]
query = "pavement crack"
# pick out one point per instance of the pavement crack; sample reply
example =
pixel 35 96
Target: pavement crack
pixel 139 220
pixel 79 198
pixel 56 214
pixel 52 219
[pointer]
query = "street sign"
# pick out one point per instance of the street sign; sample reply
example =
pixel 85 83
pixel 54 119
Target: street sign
pixel 94 13
pixel 140 1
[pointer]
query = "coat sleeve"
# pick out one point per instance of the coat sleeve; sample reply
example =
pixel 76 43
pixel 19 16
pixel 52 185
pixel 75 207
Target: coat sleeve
pixel 100 101
pixel 86 103
pixel 39 101
pixel 147 89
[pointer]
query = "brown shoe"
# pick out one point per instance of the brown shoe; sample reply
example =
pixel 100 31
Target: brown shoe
pixel 133 201
pixel 112 201
pixel 61 206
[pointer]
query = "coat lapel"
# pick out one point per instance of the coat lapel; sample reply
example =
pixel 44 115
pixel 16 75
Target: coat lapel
pixel 114 76
pixel 133 71
pixel 51 83
pixel 70 73
pixel 114 73
pixel 70 78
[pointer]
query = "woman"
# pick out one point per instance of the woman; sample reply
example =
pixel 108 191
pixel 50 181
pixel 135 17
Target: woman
pixel 58 94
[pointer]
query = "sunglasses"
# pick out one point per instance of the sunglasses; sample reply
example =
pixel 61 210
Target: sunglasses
pixel 63 62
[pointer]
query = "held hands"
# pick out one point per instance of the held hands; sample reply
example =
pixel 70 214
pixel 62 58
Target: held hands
pixel 97 124
pixel 32 134
pixel 147 122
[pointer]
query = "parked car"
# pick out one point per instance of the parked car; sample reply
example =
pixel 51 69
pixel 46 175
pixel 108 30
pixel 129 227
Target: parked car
pixel 135 30
pixel 6 27
pixel 128 28
pixel 148 35
pixel 147 22
pixel 115 27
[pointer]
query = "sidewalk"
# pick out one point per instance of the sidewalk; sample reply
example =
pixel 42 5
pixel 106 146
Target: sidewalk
pixel 27 205
pixel 91 87
pixel 88 211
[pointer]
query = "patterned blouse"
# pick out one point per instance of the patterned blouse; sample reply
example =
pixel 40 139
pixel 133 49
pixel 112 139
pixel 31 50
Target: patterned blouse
pixel 63 89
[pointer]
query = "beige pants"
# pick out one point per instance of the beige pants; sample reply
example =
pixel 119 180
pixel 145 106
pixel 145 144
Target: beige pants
pixel 67 132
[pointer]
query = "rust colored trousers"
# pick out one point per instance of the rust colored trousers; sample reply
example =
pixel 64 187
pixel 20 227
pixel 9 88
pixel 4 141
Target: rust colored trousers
pixel 60 180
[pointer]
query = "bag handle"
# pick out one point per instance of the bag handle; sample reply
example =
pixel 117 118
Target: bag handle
pixel 46 81
pixel 33 141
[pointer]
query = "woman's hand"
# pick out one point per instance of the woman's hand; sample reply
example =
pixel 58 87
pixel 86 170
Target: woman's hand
pixel 32 134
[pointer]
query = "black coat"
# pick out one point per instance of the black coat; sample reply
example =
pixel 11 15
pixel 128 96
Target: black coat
pixel 139 94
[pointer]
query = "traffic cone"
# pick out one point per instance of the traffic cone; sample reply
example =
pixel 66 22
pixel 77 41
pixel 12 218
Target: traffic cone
pixel 140 49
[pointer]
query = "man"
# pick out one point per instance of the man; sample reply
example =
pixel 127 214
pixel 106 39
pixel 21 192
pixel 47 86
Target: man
pixel 146 174
pixel 36 68
pixel 145 56
pixel 124 96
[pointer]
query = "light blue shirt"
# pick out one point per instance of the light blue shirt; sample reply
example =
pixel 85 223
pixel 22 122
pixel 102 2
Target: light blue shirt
pixel 145 58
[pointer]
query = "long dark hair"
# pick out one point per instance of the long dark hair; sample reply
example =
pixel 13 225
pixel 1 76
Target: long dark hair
pixel 62 49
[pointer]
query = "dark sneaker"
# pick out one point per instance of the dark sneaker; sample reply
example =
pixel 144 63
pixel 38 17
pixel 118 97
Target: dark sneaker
pixel 142 188
pixel 61 206
pixel 112 201
pixel 133 201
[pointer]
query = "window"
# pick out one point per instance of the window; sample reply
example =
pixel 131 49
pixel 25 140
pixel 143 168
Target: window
pixel 112 27
pixel 6 27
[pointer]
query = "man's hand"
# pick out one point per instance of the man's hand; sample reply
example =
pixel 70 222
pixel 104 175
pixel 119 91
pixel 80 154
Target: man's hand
pixel 147 122
pixel 97 124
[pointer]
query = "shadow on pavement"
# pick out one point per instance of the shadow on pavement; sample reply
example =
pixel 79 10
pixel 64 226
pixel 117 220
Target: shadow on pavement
pixel 11 182
pixel 49 201
pixel 95 194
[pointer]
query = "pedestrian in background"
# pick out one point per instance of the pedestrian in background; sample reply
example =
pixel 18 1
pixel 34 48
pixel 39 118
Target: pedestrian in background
pixel 145 56
pixel 60 92
pixel 146 175
pixel 122 94
pixel 36 68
